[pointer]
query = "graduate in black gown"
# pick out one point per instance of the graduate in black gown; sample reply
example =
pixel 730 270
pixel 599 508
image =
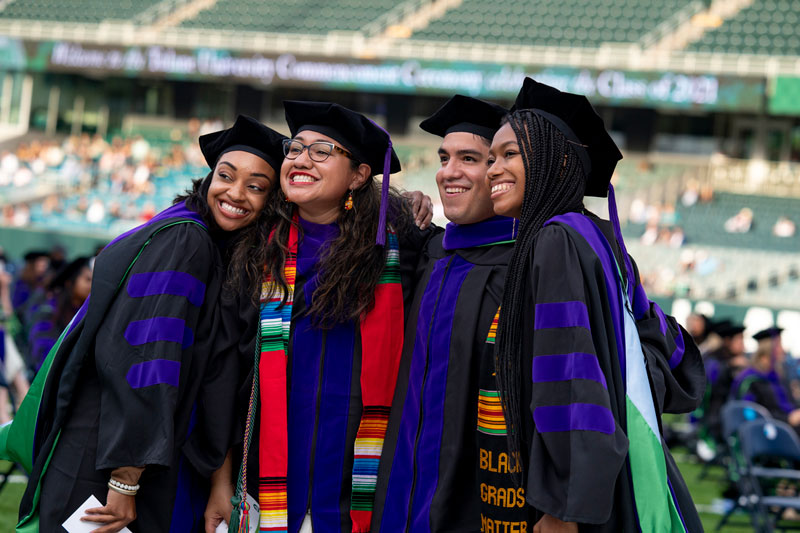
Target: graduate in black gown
pixel 446 421
pixel 585 363
pixel 133 404
pixel 340 263
pixel 763 383
pixel 69 288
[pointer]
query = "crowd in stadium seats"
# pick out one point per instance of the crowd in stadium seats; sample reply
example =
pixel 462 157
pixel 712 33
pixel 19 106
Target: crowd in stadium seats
pixel 704 236
pixel 98 182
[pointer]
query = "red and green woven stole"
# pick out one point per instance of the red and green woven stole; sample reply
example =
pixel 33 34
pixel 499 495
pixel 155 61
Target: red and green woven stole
pixel 381 347
pixel 274 450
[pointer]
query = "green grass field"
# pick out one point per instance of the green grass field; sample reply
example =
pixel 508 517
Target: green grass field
pixel 703 491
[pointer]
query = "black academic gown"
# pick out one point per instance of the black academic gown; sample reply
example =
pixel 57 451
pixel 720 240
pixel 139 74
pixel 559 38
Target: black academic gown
pixel 576 467
pixel 143 378
pixel 432 477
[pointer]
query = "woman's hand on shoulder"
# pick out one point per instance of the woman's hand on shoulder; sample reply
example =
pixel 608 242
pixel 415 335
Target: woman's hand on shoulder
pixel 421 208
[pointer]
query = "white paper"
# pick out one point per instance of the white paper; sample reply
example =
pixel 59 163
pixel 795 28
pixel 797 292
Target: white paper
pixel 73 524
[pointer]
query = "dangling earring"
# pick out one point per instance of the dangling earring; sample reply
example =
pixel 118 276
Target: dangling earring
pixel 348 204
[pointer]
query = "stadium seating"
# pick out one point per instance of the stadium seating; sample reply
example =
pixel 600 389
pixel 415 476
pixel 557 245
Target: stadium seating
pixel 290 17
pixel 768 27
pixel 704 223
pixel 573 23
pixel 74 10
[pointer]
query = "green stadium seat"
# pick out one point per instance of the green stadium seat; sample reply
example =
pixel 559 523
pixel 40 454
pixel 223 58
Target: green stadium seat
pixel 75 10
pixel 766 27
pixel 570 22
pixel 299 16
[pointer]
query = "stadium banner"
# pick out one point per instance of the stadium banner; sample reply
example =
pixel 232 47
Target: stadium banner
pixel 784 96
pixel 672 90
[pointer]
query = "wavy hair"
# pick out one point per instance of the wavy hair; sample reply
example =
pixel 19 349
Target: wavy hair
pixel 351 266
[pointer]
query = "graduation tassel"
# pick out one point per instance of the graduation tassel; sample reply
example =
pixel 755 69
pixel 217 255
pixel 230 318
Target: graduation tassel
pixel 244 521
pixel 380 238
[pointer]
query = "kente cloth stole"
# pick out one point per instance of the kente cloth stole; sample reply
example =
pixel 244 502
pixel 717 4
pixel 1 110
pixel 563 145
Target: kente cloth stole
pixel 381 347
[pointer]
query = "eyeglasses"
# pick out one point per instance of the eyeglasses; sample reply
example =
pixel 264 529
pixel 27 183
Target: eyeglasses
pixel 318 151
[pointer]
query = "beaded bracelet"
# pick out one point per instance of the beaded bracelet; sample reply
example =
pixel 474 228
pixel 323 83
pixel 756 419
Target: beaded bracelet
pixel 122 488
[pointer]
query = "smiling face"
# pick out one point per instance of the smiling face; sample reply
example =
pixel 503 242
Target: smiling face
pixel 462 178
pixel 318 188
pixel 239 188
pixel 506 174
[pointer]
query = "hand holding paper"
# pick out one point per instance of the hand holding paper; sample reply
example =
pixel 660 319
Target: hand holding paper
pixel 73 524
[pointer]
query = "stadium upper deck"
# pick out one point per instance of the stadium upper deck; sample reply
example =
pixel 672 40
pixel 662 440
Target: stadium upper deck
pixel 757 27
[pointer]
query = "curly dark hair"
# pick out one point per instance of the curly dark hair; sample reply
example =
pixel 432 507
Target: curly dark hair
pixel 245 252
pixel 352 264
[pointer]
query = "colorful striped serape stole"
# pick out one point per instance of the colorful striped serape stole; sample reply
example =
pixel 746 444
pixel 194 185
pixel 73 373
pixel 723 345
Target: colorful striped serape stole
pixel 381 347
pixel 275 321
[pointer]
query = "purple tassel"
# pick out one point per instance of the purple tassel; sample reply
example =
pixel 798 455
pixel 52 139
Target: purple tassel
pixel 380 238
pixel 612 214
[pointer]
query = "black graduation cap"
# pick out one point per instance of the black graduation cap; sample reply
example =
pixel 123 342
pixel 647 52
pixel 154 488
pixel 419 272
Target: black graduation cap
pixel 33 255
pixel 68 272
pixel 727 329
pixel 575 117
pixel 368 142
pixel 768 333
pixel 248 135
pixel 467 114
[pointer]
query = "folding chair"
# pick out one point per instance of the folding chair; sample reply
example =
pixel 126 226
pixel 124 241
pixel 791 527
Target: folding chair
pixel 771 453
pixel 735 413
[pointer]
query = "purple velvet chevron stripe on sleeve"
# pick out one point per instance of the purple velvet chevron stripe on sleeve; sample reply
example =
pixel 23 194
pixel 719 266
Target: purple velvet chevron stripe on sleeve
pixel 568 366
pixel 677 354
pixel 561 315
pixel 574 417
pixel 160 328
pixel 171 282
pixel 641 304
pixel 154 372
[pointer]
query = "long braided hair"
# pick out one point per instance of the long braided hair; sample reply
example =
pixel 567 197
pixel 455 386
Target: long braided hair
pixel 554 184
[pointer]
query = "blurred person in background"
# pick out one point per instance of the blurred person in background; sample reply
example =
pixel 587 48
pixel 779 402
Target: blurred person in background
pixel 68 290
pixel 722 366
pixel 30 278
pixel 765 381
pixel 138 390
pixel 741 222
pixel 12 365
pixel 784 227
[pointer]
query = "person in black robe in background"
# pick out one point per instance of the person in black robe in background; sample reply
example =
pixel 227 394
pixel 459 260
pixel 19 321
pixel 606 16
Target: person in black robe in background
pixel 565 324
pixel 69 288
pixel 446 422
pixel 722 366
pixel 135 400
pixel 764 383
